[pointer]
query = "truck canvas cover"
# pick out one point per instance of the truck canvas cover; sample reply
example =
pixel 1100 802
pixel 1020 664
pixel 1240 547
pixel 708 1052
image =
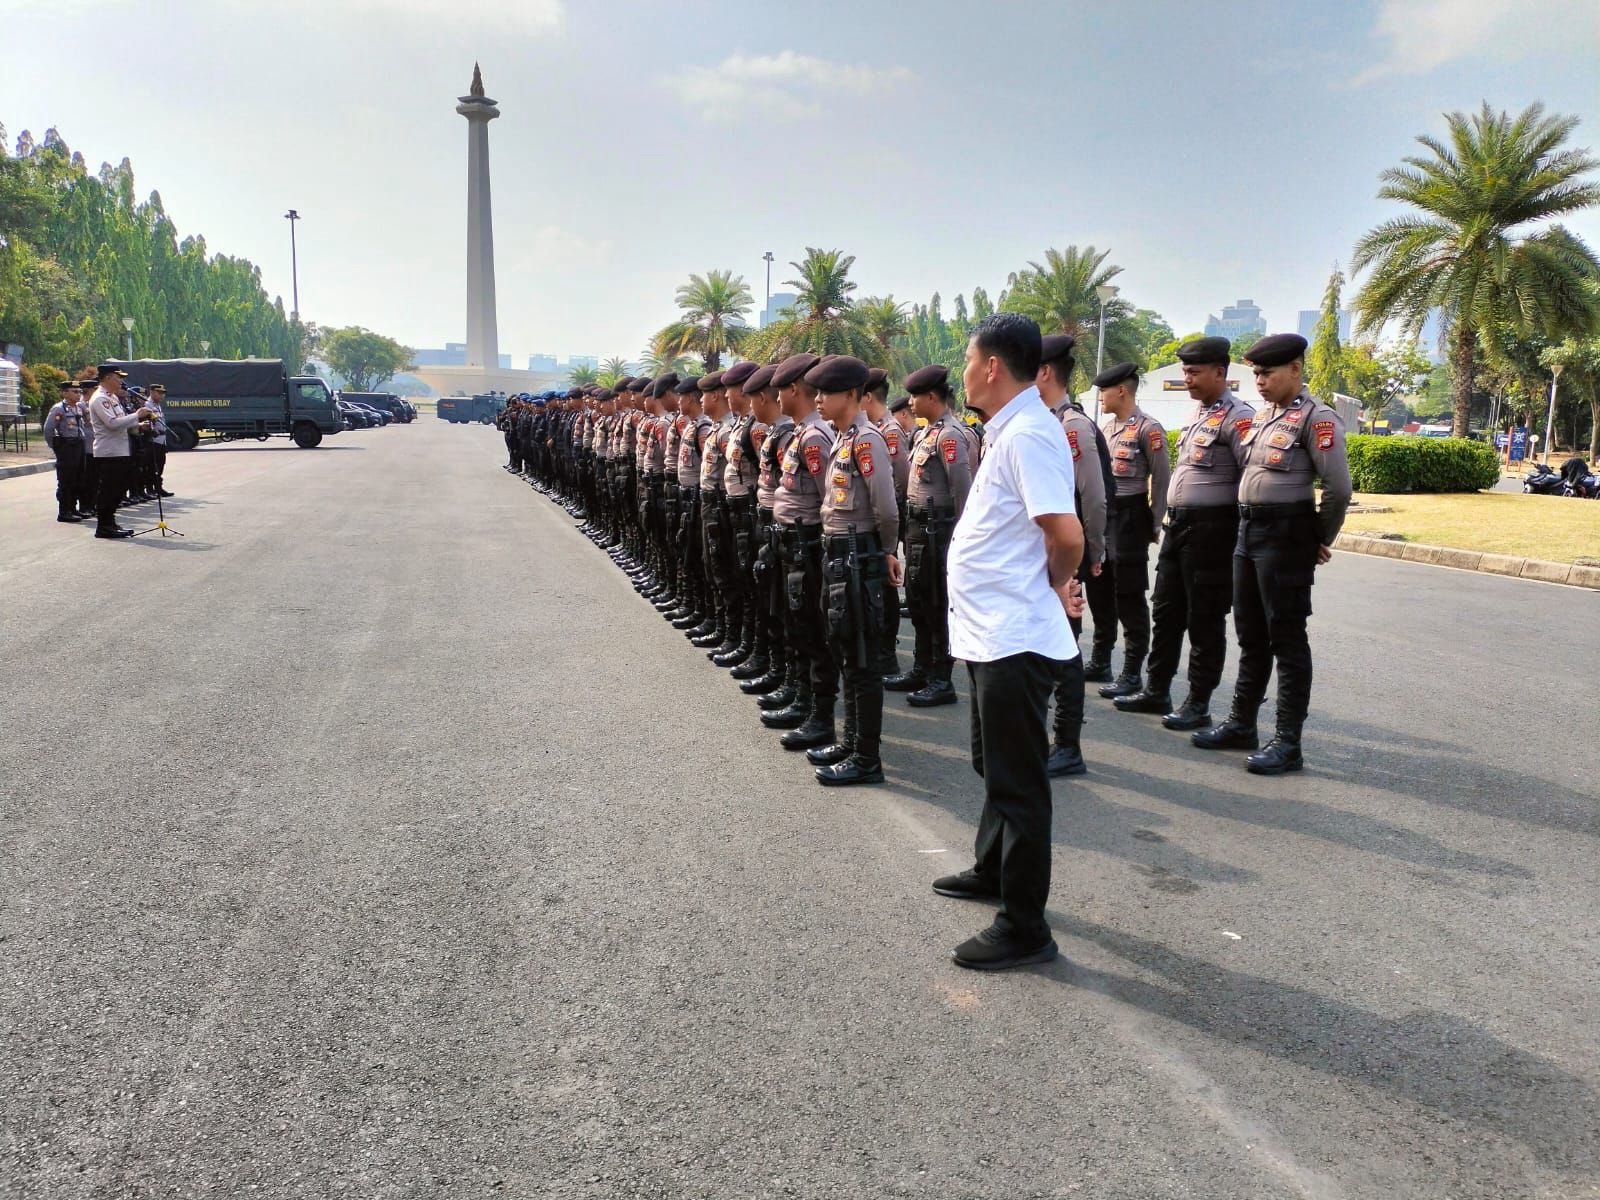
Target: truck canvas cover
pixel 209 378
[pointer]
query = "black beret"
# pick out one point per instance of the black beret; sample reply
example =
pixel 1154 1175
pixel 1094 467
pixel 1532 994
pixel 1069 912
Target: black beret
pixel 1206 351
pixel 735 375
pixel 792 368
pixel 1115 374
pixel 711 382
pixel 621 385
pixel 1276 349
pixel 932 378
pixel 574 393
pixel 1056 345
pixel 105 369
pixel 877 377
pixel 898 403
pixel 760 380
pixel 689 386
pixel 838 373
pixel 666 383
pixel 605 394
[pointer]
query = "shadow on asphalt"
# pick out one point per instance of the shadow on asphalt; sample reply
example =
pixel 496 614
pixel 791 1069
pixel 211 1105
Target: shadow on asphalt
pixel 1427 1058
pixel 260 447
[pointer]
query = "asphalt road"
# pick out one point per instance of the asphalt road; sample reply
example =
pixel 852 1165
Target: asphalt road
pixel 375 839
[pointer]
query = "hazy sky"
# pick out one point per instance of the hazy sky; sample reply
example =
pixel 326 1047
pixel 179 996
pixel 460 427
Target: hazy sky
pixel 1221 151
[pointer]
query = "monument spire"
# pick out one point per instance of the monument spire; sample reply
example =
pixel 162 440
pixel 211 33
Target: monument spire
pixel 483 339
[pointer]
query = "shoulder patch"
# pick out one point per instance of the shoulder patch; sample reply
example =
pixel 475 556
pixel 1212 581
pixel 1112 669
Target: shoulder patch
pixel 814 459
pixel 1243 426
pixel 951 451
pixel 1155 439
pixel 864 458
pixel 891 439
pixel 1072 440
pixel 1324 432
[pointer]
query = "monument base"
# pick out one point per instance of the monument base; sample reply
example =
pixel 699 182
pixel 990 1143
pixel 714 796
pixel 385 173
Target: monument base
pixel 471 381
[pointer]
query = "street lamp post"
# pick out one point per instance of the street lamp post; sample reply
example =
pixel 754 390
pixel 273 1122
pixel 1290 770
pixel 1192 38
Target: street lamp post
pixel 294 263
pixel 767 258
pixel 127 323
pixel 1104 293
pixel 1550 419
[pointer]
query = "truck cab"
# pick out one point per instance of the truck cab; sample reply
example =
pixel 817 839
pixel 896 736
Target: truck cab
pixel 312 411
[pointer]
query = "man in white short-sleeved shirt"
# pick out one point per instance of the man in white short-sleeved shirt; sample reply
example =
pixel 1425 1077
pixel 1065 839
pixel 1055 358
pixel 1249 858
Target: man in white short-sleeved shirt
pixel 1011 584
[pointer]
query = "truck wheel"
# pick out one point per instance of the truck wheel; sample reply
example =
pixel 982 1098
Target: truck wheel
pixel 183 436
pixel 307 435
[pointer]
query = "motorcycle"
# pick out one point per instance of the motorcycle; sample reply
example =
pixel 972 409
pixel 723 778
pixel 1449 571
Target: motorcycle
pixel 1578 480
pixel 1542 481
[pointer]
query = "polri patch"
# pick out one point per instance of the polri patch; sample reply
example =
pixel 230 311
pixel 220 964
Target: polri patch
pixel 1072 440
pixel 1324 431
pixel 951 450
pixel 814 459
pixel 864 457
pixel 1155 440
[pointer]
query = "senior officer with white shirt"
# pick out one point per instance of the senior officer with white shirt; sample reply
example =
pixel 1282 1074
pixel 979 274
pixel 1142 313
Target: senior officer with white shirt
pixel 1012 587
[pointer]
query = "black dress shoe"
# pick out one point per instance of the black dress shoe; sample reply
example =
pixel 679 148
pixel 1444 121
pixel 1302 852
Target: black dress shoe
pixel 164 494
pixel 1065 760
pixel 814 732
pixel 826 756
pixel 1232 734
pixel 907 681
pixel 1195 714
pixel 938 692
pixel 113 533
pixel 750 668
pixel 852 770
pixel 1097 670
pixel 776 701
pixel 1145 700
pixel 1280 755
pixel 967 885
pixel 1123 685
pixel 995 951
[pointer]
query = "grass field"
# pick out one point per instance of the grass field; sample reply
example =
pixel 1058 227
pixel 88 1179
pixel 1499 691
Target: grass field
pixel 1549 527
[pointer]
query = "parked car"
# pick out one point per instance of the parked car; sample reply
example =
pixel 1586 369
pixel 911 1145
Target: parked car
pixel 379 417
pixel 355 416
pixel 384 402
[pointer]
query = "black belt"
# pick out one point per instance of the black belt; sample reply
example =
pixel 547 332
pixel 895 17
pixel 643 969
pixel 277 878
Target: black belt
pixel 1135 500
pixel 765 514
pixel 656 477
pixel 800 535
pixel 740 503
pixel 1204 513
pixel 931 512
pixel 866 543
pixel 1266 512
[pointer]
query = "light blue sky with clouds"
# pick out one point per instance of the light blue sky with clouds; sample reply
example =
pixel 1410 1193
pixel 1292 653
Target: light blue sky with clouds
pixel 1220 151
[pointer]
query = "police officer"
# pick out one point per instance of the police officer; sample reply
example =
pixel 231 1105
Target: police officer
pixel 860 529
pixel 1194 568
pixel 699 619
pixel 774 431
pixel 876 405
pixel 158 439
pixel 797 506
pixel 739 476
pixel 715 529
pixel 64 434
pixel 943 456
pixel 1141 467
pixel 1093 484
pixel 1283 537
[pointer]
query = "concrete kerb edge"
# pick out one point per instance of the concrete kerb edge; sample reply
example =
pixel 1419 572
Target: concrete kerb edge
pixel 37 468
pixel 1472 560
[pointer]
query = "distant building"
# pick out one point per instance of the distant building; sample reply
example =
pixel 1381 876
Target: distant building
pixel 779 302
pixel 454 354
pixel 542 362
pixel 580 360
pixel 1308 324
pixel 1236 321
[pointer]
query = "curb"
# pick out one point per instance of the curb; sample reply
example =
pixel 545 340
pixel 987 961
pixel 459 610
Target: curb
pixel 1472 560
pixel 37 468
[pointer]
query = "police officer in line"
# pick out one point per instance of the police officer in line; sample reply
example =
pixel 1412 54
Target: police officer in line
pixel 64 433
pixel 797 507
pixel 695 615
pixel 875 404
pixel 944 455
pixel 1293 440
pixel 1141 467
pixel 739 477
pixel 860 530
pixel 1194 568
pixel 717 526
pixel 156 455
pixel 776 431
pixel 1093 484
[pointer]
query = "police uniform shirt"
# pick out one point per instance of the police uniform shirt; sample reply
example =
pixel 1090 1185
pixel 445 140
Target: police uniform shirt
pixel 774 444
pixel 805 473
pixel 941 464
pixel 1089 479
pixel 64 424
pixel 1139 459
pixel 689 451
pixel 739 474
pixel 110 425
pixel 1286 448
pixel 158 423
pixel 1209 453
pixel 714 455
pixel 899 452
pixel 860 485
pixel 674 439
pixel 654 432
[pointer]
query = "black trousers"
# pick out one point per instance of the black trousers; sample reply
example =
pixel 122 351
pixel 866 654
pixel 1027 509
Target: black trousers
pixel 927 546
pixel 1010 697
pixel 1100 591
pixel 854 637
pixel 69 474
pixel 1274 566
pixel 113 486
pixel 158 460
pixel 1194 590
pixel 1131 528
pixel 89 481
pixel 807 628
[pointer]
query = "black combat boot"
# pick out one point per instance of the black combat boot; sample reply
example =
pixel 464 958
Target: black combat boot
pixel 1152 698
pixel 1129 682
pixel 784 696
pixel 796 713
pixel 826 756
pixel 753 668
pixel 1066 758
pixel 1279 756
pixel 937 690
pixel 913 680
pixel 1098 668
pixel 1237 732
pixel 1195 713
pixel 818 728
pixel 686 617
pixel 717 633
pixel 863 765
pixel 772 678
pixel 734 649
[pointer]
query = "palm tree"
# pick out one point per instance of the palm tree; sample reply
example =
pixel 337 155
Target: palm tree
pixel 711 323
pixel 824 319
pixel 663 355
pixel 1059 294
pixel 1462 251
pixel 582 376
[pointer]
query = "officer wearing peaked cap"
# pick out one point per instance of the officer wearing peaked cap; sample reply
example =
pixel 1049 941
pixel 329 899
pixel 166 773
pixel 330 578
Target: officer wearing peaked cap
pixel 1293 440
pixel 875 403
pixel 1194 569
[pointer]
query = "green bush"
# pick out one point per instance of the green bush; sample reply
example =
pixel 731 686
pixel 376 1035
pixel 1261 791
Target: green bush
pixel 1418 464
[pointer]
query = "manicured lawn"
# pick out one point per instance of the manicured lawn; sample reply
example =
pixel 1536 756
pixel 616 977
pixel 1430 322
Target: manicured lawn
pixel 1548 527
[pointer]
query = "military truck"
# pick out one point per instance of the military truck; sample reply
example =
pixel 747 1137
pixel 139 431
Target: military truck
pixel 237 398
pixel 465 410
